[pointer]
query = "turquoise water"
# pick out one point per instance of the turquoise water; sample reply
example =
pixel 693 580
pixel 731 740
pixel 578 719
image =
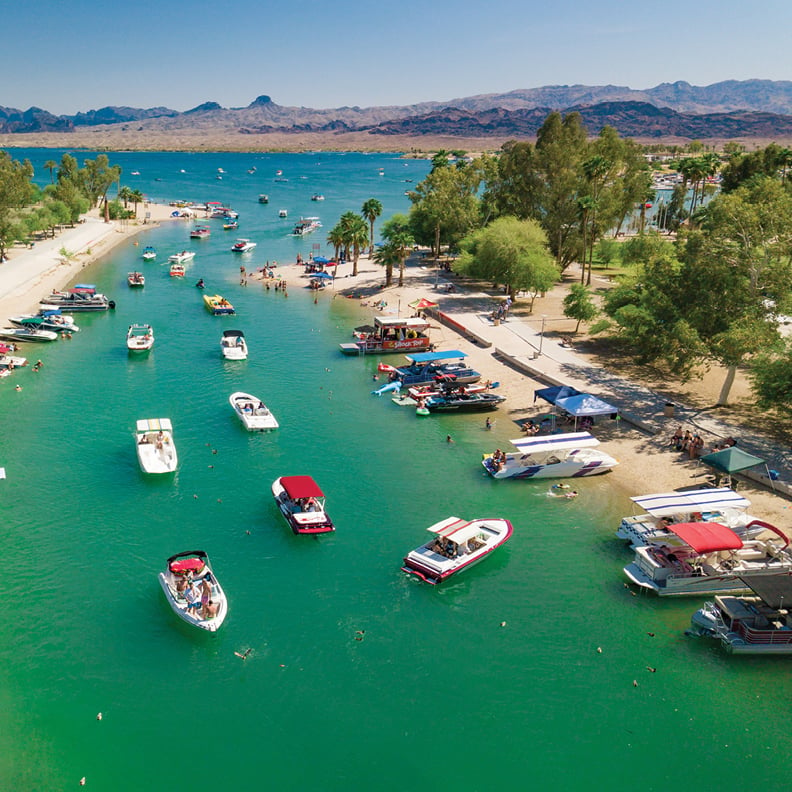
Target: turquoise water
pixel 437 692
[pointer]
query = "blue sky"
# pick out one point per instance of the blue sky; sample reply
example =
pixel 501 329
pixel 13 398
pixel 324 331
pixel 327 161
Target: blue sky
pixel 82 55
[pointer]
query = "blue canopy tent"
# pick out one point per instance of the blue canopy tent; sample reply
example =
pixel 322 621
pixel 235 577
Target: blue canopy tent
pixel 321 276
pixel 555 392
pixel 584 404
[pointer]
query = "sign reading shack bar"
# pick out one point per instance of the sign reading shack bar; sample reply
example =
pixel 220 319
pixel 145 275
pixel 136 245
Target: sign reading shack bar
pixel 390 334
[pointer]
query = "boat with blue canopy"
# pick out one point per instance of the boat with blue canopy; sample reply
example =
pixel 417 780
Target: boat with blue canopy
pixel 429 368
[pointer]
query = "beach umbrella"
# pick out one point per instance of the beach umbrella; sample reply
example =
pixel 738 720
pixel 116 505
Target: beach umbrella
pixel 321 260
pixel 419 305
pixel 321 276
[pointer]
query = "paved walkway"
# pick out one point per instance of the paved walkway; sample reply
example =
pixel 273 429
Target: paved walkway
pixel 518 343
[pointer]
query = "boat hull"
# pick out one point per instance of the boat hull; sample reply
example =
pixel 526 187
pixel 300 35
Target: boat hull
pixel 430 566
pixel 168 582
pixel 567 469
pixel 256 418
pixel 300 522
pixel 156 451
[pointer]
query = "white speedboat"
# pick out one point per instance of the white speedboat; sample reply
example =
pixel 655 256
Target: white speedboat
pixel 140 338
pixel 155 448
pixel 283 213
pixel 253 413
pixel 553 456
pixel 181 258
pixel 233 345
pixel 456 545
pixel 149 253
pixel 136 279
pixel 712 559
pixel 243 246
pixel 721 505
pixel 193 591
pixel 27 334
pixel 758 623
pixel 302 503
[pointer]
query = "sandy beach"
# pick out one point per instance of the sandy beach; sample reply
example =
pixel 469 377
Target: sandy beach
pixel 647 464
pixel 31 273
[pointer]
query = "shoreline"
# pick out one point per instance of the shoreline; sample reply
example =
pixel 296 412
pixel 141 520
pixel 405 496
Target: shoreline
pixel 645 463
pixel 30 274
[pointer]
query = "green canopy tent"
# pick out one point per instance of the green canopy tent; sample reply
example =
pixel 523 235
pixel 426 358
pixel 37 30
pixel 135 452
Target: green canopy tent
pixel 732 460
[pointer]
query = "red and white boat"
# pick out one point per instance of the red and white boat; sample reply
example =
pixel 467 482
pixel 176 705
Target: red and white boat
pixel 457 545
pixel 136 279
pixel 200 232
pixel 302 503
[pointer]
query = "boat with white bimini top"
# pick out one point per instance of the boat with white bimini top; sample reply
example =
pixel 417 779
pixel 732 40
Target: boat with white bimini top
pixel 711 560
pixel 140 338
pixel 252 412
pixel 302 503
pixel 457 545
pixel 155 448
pixel 243 246
pixel 721 505
pixel 27 334
pixel 554 456
pixel 233 345
pixel 193 591
pixel 757 623
pixel 306 225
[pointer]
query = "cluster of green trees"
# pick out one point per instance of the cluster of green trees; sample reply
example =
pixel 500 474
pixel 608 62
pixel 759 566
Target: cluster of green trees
pixel 26 209
pixel 522 217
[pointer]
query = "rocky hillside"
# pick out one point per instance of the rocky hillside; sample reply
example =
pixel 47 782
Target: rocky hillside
pixel 631 119
pixel 726 109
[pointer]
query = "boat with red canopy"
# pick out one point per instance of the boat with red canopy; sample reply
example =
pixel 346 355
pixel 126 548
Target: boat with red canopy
pixel 711 559
pixel 302 503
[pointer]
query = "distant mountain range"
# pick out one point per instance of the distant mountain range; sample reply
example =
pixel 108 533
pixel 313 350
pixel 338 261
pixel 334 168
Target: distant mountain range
pixel 748 108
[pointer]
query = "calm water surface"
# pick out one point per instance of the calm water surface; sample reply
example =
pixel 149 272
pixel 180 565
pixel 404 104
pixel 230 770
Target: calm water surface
pixel 438 693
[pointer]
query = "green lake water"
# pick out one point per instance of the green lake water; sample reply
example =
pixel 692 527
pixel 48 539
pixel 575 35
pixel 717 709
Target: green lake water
pixel 438 693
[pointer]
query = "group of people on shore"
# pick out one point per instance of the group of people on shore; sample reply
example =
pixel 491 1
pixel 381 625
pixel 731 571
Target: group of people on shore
pixel 693 444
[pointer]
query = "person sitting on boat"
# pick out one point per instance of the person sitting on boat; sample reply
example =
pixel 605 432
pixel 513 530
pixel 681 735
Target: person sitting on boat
pixel 310 505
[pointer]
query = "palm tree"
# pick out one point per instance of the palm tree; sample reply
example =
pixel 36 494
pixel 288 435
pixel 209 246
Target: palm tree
pixel 397 234
pixel 387 255
pixel 356 235
pixel 125 194
pixel 335 237
pixel 371 210
pixel 50 165
pixel 136 197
